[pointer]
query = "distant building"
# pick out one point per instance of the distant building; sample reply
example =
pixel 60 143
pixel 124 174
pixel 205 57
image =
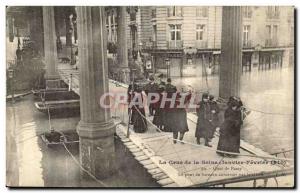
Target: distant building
pixel 188 38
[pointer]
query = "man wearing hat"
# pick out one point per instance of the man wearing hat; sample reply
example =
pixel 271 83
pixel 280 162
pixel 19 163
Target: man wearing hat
pixel 229 139
pixel 168 109
pixel 151 87
pixel 204 125
pixel 160 81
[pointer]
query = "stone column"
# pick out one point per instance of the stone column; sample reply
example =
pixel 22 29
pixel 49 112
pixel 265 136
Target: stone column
pixel 122 49
pixel 36 29
pixel 231 52
pixel 50 47
pixel 58 18
pixel 96 128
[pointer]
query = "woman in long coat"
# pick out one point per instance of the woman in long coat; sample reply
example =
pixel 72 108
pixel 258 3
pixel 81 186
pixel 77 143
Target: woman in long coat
pixel 214 110
pixel 229 140
pixel 138 112
pixel 168 110
pixel 158 118
pixel 204 125
pixel 180 116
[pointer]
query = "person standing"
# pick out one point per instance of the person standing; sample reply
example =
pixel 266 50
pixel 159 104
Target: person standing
pixel 19 55
pixel 229 139
pixel 160 81
pixel 214 117
pixel 158 118
pixel 151 88
pixel 203 123
pixel 168 109
pixel 138 112
pixel 180 116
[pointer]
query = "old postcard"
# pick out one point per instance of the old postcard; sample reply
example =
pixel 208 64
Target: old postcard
pixel 150 96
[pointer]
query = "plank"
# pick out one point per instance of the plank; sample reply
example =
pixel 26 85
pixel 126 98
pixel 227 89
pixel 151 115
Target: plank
pixel 134 150
pixel 136 154
pixel 160 177
pixel 131 146
pixel 165 181
pixel 146 162
pixel 170 185
pixel 141 158
pixel 150 166
pixel 155 171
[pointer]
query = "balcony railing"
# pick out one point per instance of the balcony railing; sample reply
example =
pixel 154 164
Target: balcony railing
pixel 273 14
pixel 149 45
pixel 247 44
pixel 201 44
pixel 271 43
pixel 175 44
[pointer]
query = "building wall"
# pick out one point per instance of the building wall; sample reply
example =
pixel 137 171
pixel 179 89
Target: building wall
pixel 258 22
pixel 258 34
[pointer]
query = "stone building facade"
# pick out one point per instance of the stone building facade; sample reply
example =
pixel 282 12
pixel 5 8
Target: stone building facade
pixel 185 40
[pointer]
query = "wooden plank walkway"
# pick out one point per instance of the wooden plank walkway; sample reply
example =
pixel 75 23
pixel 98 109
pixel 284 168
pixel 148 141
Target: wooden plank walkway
pixel 182 165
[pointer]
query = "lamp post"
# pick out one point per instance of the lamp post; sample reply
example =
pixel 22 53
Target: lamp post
pixel 168 67
pixel 11 78
pixel 72 55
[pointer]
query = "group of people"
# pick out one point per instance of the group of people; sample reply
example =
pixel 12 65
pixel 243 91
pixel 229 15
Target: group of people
pixel 171 116
pixel 164 116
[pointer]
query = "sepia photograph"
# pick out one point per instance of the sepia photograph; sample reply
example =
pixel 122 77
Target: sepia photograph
pixel 156 96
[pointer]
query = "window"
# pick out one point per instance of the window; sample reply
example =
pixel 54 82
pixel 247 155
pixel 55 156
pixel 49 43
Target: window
pixel 247 12
pixel 108 34
pixel 107 18
pixel 246 32
pixel 273 12
pixel 111 26
pixel 275 29
pixel 153 13
pixel 175 32
pixel 200 32
pixel 272 31
pixel 154 33
pixel 175 11
pixel 268 27
pixel 202 11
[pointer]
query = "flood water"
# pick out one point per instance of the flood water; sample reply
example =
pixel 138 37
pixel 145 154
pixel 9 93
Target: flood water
pixel 269 94
pixel 31 163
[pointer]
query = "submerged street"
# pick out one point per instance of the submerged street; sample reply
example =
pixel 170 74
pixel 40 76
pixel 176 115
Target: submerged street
pixel 269 94
pixel 32 162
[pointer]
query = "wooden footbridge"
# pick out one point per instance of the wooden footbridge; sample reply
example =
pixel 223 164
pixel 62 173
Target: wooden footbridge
pixel 189 164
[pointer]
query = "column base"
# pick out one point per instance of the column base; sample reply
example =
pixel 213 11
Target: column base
pixel 96 149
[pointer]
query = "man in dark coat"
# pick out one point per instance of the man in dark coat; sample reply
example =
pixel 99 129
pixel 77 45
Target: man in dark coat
pixel 158 118
pixel 204 125
pixel 160 81
pixel 229 140
pixel 168 110
pixel 180 116
pixel 151 88
pixel 138 112
pixel 214 117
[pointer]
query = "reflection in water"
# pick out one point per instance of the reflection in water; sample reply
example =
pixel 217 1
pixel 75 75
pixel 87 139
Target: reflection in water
pixel 39 165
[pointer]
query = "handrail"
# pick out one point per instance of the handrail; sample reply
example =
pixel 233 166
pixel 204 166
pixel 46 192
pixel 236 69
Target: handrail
pixel 262 175
pixel 284 151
